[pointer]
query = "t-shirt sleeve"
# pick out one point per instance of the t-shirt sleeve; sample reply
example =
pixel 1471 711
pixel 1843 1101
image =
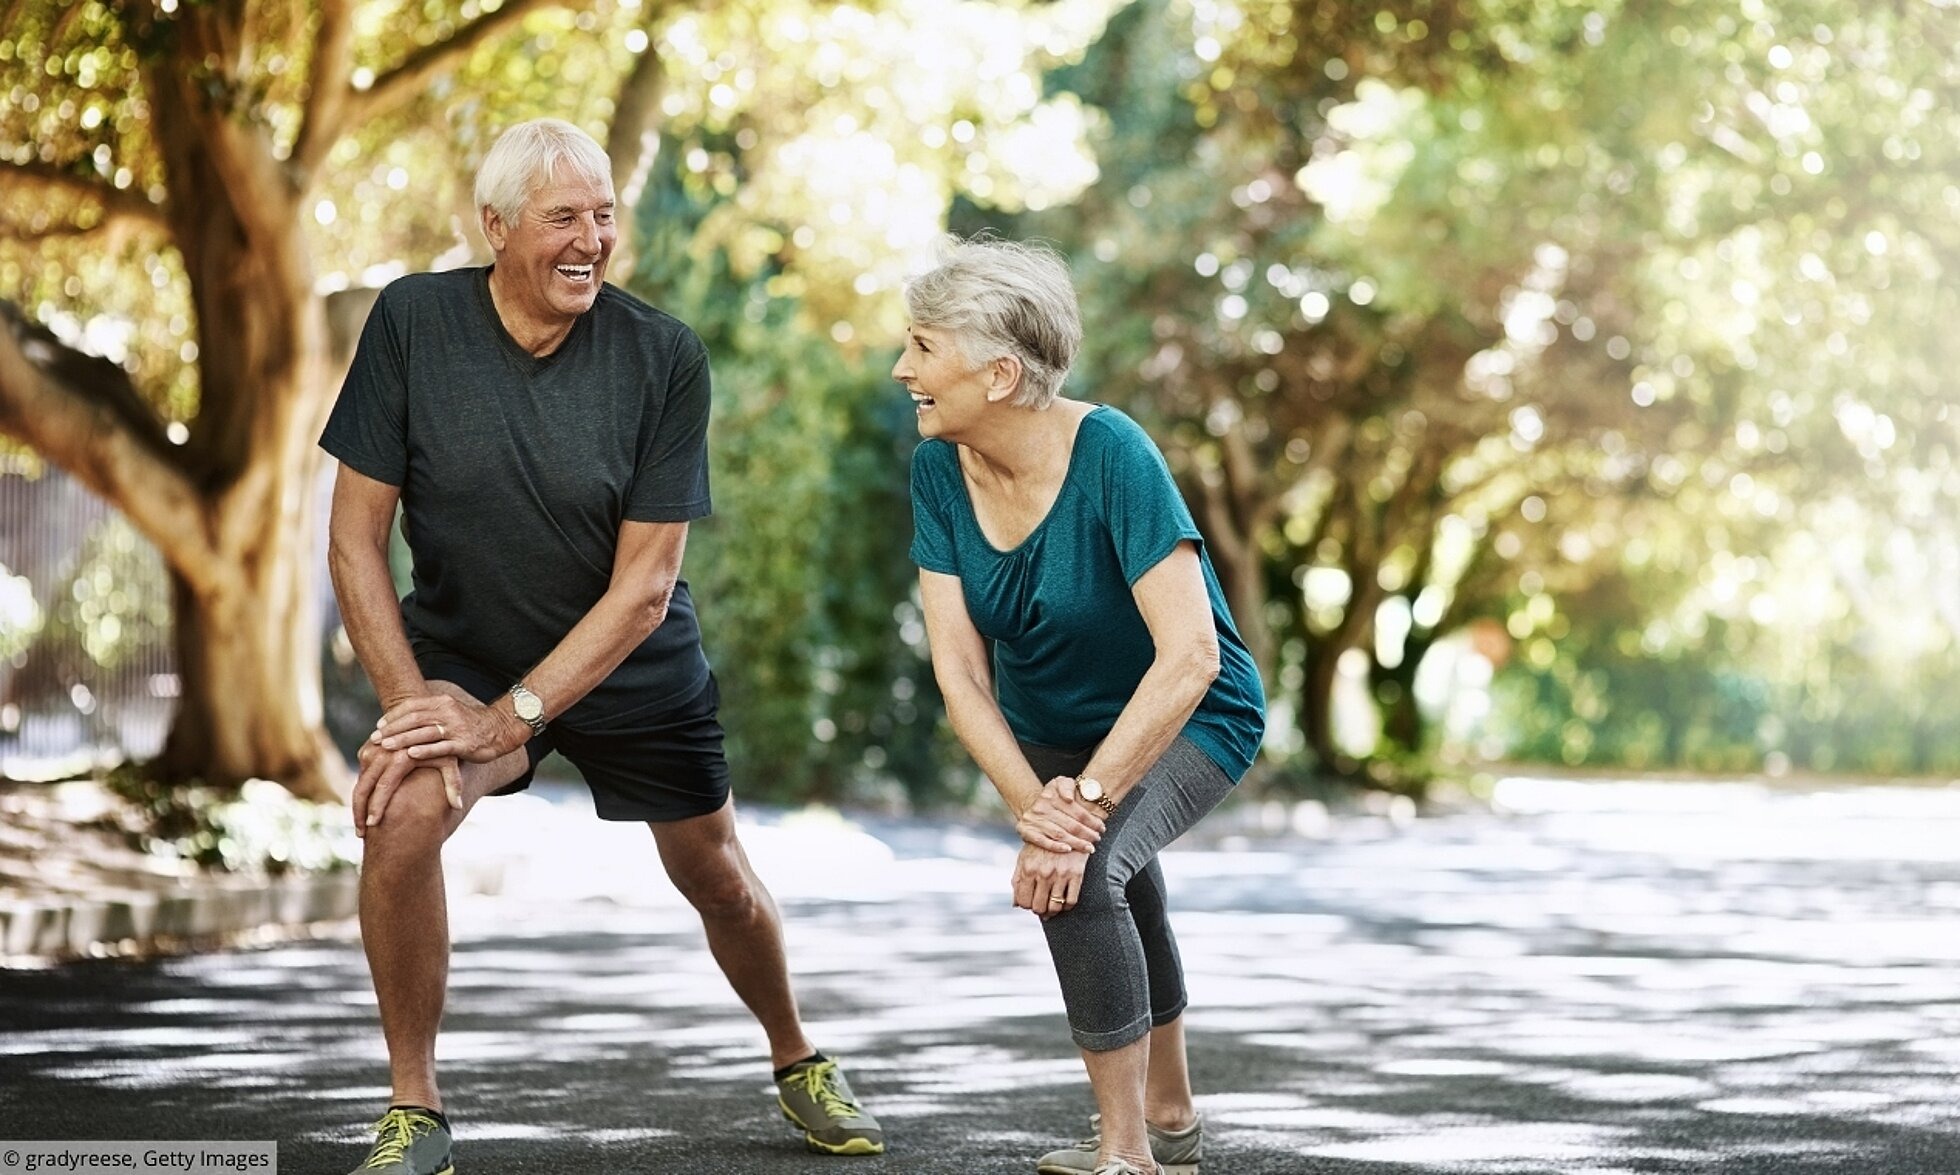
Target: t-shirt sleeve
pixel 670 481
pixel 368 428
pixel 1146 515
pixel 932 531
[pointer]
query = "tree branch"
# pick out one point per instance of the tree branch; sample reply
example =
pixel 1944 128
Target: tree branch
pixel 116 203
pixel 82 413
pixel 408 79
pixel 328 90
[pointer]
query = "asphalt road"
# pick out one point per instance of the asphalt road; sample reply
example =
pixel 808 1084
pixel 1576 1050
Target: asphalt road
pixel 1605 979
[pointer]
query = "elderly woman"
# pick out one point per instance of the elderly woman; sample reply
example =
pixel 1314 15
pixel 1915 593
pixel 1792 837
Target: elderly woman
pixel 1118 704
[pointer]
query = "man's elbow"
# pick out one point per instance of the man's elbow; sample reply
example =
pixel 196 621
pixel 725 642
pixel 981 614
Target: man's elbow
pixel 650 611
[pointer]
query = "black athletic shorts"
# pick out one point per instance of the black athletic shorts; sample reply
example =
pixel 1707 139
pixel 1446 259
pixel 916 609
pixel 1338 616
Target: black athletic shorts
pixel 657 766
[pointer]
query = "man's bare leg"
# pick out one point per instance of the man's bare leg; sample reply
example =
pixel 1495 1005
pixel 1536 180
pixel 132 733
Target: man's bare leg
pixel 405 915
pixel 706 863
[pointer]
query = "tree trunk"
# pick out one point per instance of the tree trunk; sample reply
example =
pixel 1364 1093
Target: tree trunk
pixel 249 660
pixel 1317 704
pixel 247 622
pixel 1395 693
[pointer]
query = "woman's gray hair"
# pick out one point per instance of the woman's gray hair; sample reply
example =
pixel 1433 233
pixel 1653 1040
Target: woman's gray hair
pixel 527 156
pixel 1000 298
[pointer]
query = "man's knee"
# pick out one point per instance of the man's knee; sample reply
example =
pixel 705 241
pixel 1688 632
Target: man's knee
pixel 716 885
pixel 415 822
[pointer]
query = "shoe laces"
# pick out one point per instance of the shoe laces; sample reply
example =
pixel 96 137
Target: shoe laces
pixel 396 1132
pixel 820 1082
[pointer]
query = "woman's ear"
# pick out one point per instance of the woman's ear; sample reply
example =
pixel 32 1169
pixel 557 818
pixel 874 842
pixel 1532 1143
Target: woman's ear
pixel 1003 378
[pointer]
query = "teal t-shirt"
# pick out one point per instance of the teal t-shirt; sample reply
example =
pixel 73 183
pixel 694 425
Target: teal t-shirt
pixel 1070 645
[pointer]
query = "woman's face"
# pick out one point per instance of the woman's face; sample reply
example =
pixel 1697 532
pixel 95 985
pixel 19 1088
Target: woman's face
pixel 948 393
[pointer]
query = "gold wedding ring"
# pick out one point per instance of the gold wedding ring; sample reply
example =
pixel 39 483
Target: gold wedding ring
pixel 440 732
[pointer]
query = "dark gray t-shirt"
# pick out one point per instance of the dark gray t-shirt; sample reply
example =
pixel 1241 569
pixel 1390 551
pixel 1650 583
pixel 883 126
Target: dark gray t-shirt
pixel 517 471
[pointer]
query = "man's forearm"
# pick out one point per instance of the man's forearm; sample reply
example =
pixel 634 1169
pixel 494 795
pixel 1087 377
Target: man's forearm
pixel 621 620
pixel 372 616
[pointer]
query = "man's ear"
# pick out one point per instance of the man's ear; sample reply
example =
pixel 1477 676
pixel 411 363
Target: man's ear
pixel 1003 378
pixel 495 230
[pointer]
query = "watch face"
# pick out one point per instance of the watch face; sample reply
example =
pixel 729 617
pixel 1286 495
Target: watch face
pixel 1089 789
pixel 527 705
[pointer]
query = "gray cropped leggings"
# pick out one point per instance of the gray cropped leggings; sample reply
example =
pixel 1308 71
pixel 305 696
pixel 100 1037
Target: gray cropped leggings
pixel 1113 951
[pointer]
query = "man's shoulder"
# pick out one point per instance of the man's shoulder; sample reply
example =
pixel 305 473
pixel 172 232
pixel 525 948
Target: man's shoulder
pixel 440 286
pixel 644 321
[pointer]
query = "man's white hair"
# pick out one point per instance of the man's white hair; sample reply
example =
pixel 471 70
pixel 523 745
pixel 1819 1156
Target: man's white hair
pixel 528 156
pixel 999 298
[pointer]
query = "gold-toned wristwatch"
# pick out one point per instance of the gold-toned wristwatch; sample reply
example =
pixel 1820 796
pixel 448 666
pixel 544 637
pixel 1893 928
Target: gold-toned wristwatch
pixel 1092 791
pixel 528 706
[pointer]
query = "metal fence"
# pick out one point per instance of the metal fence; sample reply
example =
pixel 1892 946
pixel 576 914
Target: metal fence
pixel 87 671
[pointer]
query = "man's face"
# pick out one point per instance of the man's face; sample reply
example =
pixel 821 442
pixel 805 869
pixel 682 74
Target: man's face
pixel 554 252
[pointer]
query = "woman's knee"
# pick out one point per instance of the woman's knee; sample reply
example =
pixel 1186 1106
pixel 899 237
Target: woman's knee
pixel 1100 890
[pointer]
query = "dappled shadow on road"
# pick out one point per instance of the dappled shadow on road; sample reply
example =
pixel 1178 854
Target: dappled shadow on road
pixel 1561 990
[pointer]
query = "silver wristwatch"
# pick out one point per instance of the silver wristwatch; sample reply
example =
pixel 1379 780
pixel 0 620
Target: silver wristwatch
pixel 528 706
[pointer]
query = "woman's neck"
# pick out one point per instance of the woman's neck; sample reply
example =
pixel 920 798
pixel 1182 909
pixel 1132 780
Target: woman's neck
pixel 1026 444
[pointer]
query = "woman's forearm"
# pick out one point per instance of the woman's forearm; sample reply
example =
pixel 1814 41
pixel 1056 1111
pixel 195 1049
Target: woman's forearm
pixel 1164 701
pixel 984 732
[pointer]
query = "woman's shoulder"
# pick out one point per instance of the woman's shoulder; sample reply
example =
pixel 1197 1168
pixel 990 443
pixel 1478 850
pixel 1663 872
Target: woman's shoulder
pixel 933 461
pixel 1113 437
pixel 1107 424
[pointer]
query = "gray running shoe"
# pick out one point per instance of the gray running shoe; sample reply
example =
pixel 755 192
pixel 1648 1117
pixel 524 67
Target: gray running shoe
pixel 818 1101
pixel 1178 1153
pixel 1125 1167
pixel 409 1142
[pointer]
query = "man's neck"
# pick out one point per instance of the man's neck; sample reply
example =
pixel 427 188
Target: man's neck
pixel 538 335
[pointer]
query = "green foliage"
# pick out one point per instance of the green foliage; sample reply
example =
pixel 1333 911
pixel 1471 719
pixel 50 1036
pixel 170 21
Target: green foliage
pixel 800 578
pixel 258 828
pixel 117 603
pixel 1441 310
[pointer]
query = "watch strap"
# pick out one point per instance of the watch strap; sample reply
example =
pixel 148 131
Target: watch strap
pixel 519 692
pixel 1102 799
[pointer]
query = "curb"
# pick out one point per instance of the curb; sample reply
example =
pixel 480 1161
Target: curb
pixel 37 931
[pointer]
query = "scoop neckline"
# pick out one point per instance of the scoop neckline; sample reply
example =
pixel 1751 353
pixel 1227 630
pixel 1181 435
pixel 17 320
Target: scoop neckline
pixel 1068 479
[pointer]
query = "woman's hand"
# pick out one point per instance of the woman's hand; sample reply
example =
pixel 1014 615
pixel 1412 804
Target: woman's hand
pixel 1059 821
pixel 1048 883
pixel 435 725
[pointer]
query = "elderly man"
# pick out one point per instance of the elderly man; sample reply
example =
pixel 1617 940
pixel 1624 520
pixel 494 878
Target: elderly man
pixel 545 435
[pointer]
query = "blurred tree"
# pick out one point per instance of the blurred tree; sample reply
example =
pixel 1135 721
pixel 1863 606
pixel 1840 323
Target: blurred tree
pixel 805 164
pixel 1399 290
pixel 164 166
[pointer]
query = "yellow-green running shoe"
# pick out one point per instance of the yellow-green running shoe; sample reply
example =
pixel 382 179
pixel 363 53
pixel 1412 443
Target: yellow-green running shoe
pixel 818 1101
pixel 409 1142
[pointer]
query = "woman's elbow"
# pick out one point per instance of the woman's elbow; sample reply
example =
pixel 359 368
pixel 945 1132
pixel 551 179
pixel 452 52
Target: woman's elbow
pixel 1202 662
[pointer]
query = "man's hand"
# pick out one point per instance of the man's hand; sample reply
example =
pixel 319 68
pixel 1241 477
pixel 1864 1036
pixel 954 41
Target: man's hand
pixel 382 772
pixel 1048 883
pixel 434 725
pixel 1059 821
